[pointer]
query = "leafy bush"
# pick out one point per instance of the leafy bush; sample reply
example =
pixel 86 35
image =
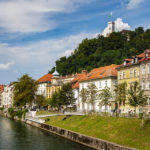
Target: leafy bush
pixel 19 113
pixel 11 112
pixel 1 108
pixel 47 119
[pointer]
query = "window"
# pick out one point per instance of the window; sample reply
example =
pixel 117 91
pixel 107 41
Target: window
pixel 123 75
pixel 100 84
pixel 82 85
pixel 143 72
pixel 149 68
pixel 130 73
pixel 105 83
pixel 115 82
pixel 136 60
pixel 144 84
pixel 120 75
pixel 149 101
pixel 135 73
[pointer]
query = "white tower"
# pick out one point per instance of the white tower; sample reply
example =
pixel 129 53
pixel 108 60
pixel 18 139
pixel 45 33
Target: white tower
pixel 111 26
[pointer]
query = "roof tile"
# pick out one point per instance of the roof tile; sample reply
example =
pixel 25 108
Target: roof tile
pixel 45 78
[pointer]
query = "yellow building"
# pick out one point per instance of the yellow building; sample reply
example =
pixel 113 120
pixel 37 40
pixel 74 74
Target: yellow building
pixel 129 72
pixel 56 83
pixel 54 86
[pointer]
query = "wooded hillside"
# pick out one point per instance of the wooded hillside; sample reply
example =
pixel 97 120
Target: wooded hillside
pixel 101 51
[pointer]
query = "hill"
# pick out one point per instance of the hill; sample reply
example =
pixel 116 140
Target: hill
pixel 101 51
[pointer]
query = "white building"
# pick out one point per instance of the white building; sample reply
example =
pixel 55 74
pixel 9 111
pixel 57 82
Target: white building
pixel 101 77
pixel 8 96
pixel 75 86
pixel 1 91
pixel 43 83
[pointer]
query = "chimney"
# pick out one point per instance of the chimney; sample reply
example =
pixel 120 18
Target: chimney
pixel 84 71
pixel 125 62
pixel 147 54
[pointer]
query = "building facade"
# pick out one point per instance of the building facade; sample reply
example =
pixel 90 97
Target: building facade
pixel 8 96
pixel 1 91
pixel 75 86
pixel 43 82
pixel 145 77
pixel 101 77
pixel 134 70
pixel 54 85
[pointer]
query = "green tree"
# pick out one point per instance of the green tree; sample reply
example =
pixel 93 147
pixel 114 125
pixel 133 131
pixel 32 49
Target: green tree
pixel 121 93
pixel 84 97
pixel 41 101
pixel 63 97
pixel 52 70
pixel 25 91
pixel 105 96
pixel 92 94
pixel 66 95
pixel 136 96
pixel 139 30
pixel 55 101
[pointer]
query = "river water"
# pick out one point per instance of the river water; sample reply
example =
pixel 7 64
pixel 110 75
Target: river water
pixel 19 136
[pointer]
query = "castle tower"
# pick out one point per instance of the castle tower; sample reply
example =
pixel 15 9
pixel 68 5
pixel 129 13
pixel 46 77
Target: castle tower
pixel 111 28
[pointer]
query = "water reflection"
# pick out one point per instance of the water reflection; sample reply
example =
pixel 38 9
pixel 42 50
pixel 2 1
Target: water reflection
pixel 19 136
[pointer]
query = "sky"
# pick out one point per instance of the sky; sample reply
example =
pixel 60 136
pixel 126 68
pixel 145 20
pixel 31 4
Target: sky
pixel 35 33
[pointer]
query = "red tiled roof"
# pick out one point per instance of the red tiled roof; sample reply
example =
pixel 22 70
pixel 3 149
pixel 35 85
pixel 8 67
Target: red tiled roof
pixel 45 78
pixel 76 80
pixel 128 60
pixel 102 72
pixel 141 57
pixel 1 88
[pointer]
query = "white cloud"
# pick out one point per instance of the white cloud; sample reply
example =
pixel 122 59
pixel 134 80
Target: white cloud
pixel 134 3
pixel 27 16
pixel 6 66
pixel 42 54
pixel 119 26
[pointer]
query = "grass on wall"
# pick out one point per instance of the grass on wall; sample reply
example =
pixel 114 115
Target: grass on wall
pixel 124 131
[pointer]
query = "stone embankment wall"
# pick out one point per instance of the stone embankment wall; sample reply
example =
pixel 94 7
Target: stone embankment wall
pixel 94 143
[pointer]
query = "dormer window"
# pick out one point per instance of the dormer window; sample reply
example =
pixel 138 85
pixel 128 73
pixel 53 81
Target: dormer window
pixel 146 54
pixel 125 62
pixel 136 60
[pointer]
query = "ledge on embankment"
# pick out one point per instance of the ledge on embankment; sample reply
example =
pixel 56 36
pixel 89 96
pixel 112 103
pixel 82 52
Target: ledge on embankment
pixel 92 142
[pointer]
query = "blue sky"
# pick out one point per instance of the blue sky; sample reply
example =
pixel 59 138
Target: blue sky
pixel 35 33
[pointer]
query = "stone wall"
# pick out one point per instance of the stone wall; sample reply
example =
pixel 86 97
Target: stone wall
pixel 94 143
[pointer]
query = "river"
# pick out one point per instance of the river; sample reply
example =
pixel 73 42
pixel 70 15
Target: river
pixel 19 136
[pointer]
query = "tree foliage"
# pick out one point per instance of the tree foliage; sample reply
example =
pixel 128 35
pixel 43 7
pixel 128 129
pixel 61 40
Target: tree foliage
pixel 136 96
pixel 40 100
pixel 101 51
pixel 105 96
pixel 63 97
pixel 121 93
pixel 92 94
pixel 84 97
pixel 24 91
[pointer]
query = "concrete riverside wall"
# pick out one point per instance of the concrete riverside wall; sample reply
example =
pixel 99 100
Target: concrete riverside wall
pixel 94 143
